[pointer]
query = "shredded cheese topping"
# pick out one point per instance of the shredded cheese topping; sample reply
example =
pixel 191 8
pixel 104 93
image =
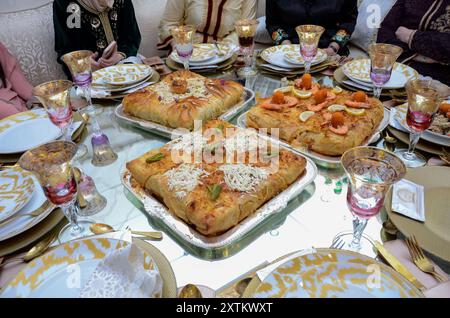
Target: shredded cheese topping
pixel 242 141
pixel 242 177
pixel 184 179
pixel 188 143
pixel 195 88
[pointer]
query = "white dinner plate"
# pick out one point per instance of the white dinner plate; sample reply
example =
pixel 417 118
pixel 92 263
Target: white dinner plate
pixel 296 58
pixel 27 130
pixel 228 51
pixel 359 71
pixel 22 223
pixel 276 55
pixel 400 117
pixel 122 74
pixel 16 189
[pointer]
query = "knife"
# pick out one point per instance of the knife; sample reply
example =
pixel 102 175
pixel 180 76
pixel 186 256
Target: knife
pixel 398 266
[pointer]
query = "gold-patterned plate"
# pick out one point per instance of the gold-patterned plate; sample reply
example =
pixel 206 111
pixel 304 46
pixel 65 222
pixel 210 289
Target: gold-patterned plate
pixel 276 55
pixel 433 235
pixel 47 276
pixel 359 70
pixel 297 59
pixel 330 273
pixel 16 190
pixel 121 74
pixel 201 53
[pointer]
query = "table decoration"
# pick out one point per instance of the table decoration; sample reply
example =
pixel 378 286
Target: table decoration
pixel 246 30
pixel 79 64
pixel 309 36
pixel 423 103
pixel 382 59
pixel 51 163
pixel 371 172
pixel 183 37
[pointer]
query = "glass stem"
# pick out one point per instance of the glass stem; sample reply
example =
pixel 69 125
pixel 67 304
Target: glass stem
pixel 66 133
pixel 186 65
pixel 307 67
pixel 359 226
pixel 413 140
pixel 70 210
pixel 377 91
pixel 90 109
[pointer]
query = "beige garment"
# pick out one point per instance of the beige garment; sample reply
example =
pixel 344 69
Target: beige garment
pixel 98 6
pixel 214 19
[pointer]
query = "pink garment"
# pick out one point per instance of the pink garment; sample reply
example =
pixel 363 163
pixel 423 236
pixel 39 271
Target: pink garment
pixel 16 90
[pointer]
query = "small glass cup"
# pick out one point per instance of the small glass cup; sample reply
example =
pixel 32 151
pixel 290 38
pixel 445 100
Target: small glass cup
pixel 371 172
pixel 246 30
pixel 183 37
pixel 423 104
pixel 51 164
pixel 309 37
pixel 79 64
pixel 382 60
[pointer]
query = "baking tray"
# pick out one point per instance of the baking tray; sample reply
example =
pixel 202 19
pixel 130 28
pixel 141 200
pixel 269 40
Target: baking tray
pixel 218 247
pixel 170 133
pixel 323 160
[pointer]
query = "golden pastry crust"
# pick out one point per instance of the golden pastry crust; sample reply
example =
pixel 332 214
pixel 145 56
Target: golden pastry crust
pixel 196 206
pixel 317 132
pixel 183 97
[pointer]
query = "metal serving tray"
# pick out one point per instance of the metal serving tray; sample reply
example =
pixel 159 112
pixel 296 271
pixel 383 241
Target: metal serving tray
pixel 323 160
pixel 219 246
pixel 169 132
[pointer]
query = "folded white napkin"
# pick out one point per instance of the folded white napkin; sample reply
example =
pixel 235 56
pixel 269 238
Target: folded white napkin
pixel 263 273
pixel 95 93
pixel 122 275
pixel 408 200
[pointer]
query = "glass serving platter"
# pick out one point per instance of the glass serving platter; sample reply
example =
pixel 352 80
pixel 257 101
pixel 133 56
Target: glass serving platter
pixel 225 245
pixel 169 132
pixel 323 160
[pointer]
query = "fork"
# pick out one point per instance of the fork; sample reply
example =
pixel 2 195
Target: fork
pixel 44 207
pixel 219 51
pixel 445 156
pixel 421 260
pixel 338 244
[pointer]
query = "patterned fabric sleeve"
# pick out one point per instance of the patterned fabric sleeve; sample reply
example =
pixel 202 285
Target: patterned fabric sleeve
pixel 173 16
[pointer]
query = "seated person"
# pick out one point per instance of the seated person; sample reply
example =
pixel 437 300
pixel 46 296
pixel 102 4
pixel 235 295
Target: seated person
pixel 214 19
pixel 338 17
pixel 15 90
pixel 422 29
pixel 102 24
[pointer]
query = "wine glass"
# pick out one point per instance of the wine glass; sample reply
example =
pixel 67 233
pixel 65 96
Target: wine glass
pixel 246 30
pixel 423 104
pixel 79 64
pixel 371 172
pixel 184 42
pixel 309 36
pixel 382 60
pixel 51 164
pixel 55 97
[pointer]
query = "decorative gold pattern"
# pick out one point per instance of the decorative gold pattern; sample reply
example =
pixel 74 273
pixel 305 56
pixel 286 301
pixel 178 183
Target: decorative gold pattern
pixel 296 58
pixel 122 74
pixel 39 270
pixel 334 273
pixel 360 70
pixel 16 189
pixel 8 122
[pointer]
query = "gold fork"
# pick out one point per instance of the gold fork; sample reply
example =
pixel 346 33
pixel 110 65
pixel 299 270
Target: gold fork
pixel 44 207
pixel 421 260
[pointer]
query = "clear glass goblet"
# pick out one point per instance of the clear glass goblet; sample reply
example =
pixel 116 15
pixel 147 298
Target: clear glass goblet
pixel 183 37
pixel 246 30
pixel 309 37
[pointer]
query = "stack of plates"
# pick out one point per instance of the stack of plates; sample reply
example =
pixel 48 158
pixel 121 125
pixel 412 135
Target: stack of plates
pixel 355 75
pixel 206 58
pixel 119 80
pixel 285 60
pixel 21 194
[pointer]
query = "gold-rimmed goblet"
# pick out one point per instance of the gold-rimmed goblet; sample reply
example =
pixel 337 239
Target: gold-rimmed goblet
pixel 246 30
pixel 55 97
pixel 371 172
pixel 423 103
pixel 183 37
pixel 382 60
pixel 51 164
pixel 309 37
pixel 79 64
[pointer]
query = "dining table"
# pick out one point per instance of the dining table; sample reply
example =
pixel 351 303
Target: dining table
pixel 310 220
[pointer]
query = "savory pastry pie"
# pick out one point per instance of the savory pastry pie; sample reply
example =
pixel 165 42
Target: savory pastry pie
pixel 327 121
pixel 215 178
pixel 183 97
pixel 441 122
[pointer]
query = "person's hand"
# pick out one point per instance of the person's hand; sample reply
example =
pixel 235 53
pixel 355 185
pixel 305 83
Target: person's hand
pixel 113 60
pixel 424 59
pixel 329 51
pixel 94 63
pixel 403 34
pixel 285 42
